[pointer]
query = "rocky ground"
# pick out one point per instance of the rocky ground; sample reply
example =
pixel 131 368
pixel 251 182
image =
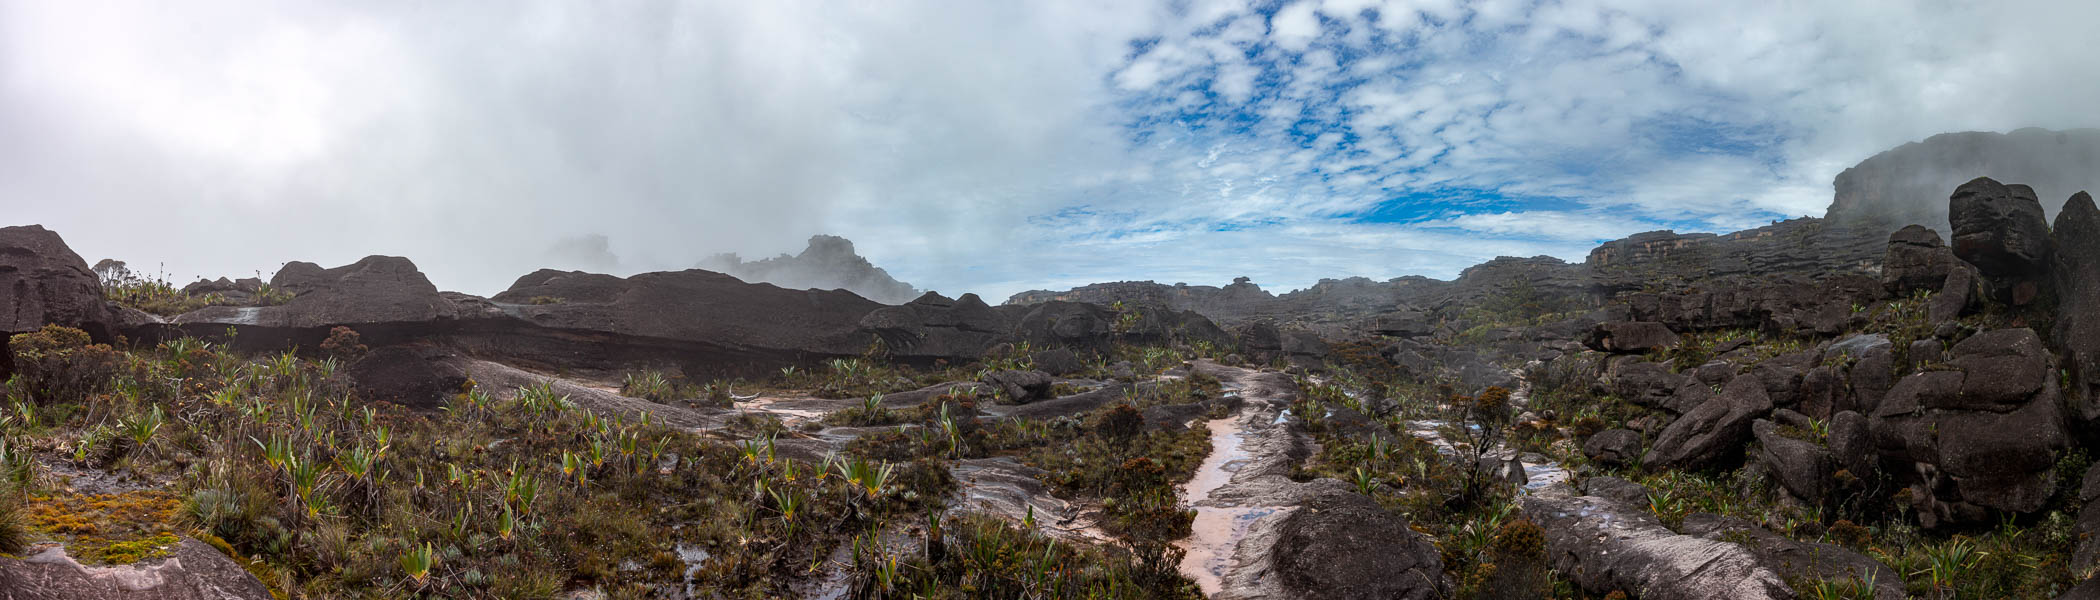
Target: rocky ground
pixel 1787 412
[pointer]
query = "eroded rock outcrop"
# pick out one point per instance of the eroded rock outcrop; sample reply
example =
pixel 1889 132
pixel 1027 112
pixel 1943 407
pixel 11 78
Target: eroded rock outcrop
pixel 43 282
pixel 2001 230
pixel 2077 278
pixel 1916 260
pixel 1713 433
pixel 1981 434
pixel 1343 545
pixel 374 291
pixel 829 262
pixel 1606 545
pixel 193 571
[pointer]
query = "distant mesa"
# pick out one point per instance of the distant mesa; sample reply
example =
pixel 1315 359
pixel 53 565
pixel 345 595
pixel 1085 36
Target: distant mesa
pixel 828 263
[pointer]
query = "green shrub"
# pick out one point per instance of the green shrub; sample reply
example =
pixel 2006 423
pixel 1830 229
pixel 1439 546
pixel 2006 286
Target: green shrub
pixel 60 363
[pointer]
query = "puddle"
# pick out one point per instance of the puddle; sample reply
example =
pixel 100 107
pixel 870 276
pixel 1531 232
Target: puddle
pixel 1212 550
pixel 694 557
pixel 1226 458
pixel 1213 537
pixel 791 416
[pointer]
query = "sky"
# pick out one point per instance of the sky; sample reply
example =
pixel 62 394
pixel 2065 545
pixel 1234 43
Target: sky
pixel 987 147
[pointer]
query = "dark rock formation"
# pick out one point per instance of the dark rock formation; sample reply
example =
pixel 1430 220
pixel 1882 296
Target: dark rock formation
pixel 1613 447
pixel 2000 229
pixel 1057 361
pixel 2087 554
pixel 1801 466
pixel 1630 337
pixel 1343 545
pixel 1264 342
pixel 2077 280
pixel 1641 382
pixel 1851 443
pixel 1916 260
pixel 828 263
pixel 1714 432
pixel 43 282
pixel 934 327
pixel 1984 434
pixel 417 376
pixel 193 571
pixel 1020 387
pixel 1606 545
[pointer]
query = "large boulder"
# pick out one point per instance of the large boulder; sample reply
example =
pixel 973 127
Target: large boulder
pixel 193 571
pixel 1714 433
pixel 2077 279
pixel 1916 260
pixel 1613 447
pixel 1983 434
pixel 1629 337
pixel 373 291
pixel 1057 361
pixel 1802 467
pixel 1606 545
pixel 2001 229
pixel 1641 382
pixel 1019 386
pixel 1343 545
pixel 43 282
pixel 1851 443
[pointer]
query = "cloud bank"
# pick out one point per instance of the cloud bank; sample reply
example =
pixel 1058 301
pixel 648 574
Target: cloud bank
pixel 986 147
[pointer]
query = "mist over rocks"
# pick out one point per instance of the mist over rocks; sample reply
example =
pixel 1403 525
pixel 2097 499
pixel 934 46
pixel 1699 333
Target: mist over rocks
pixel 1908 184
pixel 828 263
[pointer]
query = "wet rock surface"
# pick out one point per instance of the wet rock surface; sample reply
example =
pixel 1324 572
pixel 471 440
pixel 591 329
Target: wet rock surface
pixel 1605 545
pixel 193 571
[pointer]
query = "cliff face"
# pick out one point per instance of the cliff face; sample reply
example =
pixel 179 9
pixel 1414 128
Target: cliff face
pixel 828 263
pixel 1908 184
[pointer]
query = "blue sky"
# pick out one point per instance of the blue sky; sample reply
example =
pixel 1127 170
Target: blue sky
pixel 981 146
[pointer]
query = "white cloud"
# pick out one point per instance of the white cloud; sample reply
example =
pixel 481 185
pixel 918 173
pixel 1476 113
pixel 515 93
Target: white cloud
pixel 983 147
pixel 1295 26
